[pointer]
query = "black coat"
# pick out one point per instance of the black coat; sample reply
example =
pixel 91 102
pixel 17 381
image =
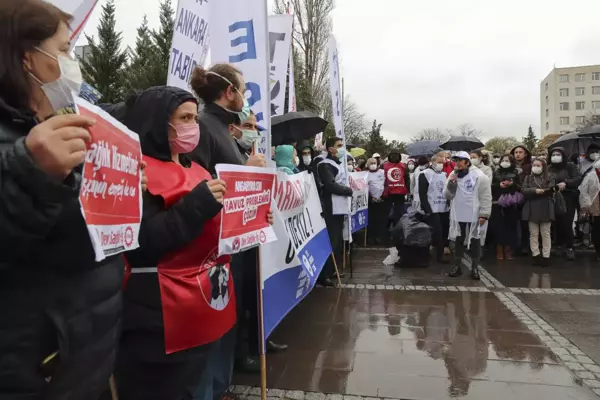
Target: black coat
pixel 162 230
pixel 53 295
pixel 568 173
pixel 505 174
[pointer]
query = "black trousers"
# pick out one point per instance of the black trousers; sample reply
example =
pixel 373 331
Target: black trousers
pixel 335 225
pixel 244 271
pixel 564 223
pixel 439 223
pixel 596 234
pixel 506 221
pixel 459 247
pixel 396 204
pixel 139 379
pixel 378 214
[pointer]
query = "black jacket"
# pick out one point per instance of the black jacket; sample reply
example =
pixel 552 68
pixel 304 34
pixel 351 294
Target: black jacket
pixel 327 175
pixel 53 295
pixel 216 146
pixel 566 172
pixel 505 174
pixel 162 230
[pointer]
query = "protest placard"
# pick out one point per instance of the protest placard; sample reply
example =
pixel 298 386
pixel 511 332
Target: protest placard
pixel 110 196
pixel 246 204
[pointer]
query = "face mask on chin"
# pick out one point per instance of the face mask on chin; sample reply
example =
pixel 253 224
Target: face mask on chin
pixel 60 92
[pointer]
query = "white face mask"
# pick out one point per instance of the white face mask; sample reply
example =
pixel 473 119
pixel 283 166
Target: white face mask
pixel 597 164
pixel 306 160
pixel 556 159
pixel 496 160
pixel 373 167
pixel 350 168
pixel 60 92
pixel 438 167
pixel 505 164
pixel 536 170
pixel 475 161
pixel 411 167
pixel 594 156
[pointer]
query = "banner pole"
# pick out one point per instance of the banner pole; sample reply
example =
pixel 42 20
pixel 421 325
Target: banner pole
pixel 337 271
pixel 343 257
pixel 366 235
pixel 261 332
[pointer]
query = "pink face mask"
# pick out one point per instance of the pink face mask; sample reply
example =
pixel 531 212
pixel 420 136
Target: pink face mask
pixel 187 138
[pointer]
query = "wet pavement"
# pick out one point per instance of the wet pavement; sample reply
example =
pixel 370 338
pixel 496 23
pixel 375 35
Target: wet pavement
pixel 415 334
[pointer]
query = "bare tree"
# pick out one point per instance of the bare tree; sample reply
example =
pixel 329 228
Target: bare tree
pixel 468 130
pixel 501 145
pixel 430 134
pixel 355 124
pixel 312 27
pixel 590 119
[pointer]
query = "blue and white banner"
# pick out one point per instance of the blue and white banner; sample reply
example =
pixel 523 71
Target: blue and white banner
pixel 360 200
pixel 291 265
pixel 190 42
pixel 280 41
pixel 240 36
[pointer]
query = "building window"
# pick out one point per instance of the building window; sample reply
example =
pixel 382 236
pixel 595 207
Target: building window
pixel 580 120
pixel 564 92
pixel 564 106
pixel 564 120
pixel 595 105
pixel 564 78
pixel 547 126
pixel 580 105
pixel 546 86
pixel 596 76
pixel 596 90
pixel 547 112
pixel 546 99
pixel 579 77
pixel 579 91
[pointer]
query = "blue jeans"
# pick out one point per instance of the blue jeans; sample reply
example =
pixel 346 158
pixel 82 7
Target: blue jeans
pixel 216 377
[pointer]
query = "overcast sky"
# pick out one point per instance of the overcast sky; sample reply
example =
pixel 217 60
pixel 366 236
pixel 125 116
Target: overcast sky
pixel 440 63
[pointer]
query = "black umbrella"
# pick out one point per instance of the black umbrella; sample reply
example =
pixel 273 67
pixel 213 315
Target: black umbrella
pixel 573 143
pixel 590 131
pixel 295 126
pixel 462 143
pixel 423 148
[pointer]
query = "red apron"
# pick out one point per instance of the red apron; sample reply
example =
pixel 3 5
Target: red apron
pixel 394 178
pixel 196 286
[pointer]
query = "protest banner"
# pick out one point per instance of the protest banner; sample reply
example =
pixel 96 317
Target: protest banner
pixel 246 204
pixel 337 107
pixel 80 10
pixel 291 79
pixel 280 35
pixel 110 196
pixel 190 42
pixel 239 36
pixel 291 265
pixel 359 216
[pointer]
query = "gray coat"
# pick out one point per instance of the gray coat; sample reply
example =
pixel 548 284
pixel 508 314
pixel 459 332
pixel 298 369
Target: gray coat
pixel 538 207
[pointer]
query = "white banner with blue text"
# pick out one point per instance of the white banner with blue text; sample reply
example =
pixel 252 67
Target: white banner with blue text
pixel 280 40
pixel 359 216
pixel 291 265
pixel 239 36
pixel 190 41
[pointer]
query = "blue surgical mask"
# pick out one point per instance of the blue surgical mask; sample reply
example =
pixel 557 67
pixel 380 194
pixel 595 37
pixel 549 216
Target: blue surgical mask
pixel 244 113
pixel 341 153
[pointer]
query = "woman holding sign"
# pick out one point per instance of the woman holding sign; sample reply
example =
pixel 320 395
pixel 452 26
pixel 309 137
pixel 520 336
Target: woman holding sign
pixel 60 309
pixel 179 297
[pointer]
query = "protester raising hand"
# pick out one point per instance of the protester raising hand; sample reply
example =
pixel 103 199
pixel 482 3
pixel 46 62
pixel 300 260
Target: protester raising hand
pixel 256 160
pixel 59 144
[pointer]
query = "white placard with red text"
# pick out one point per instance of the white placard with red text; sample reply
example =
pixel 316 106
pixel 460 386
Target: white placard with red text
pixel 110 196
pixel 246 204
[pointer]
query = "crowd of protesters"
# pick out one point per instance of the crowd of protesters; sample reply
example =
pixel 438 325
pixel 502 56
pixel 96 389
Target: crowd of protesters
pixel 70 323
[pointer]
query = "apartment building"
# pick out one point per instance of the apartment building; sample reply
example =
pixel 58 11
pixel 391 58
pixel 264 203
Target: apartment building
pixel 567 96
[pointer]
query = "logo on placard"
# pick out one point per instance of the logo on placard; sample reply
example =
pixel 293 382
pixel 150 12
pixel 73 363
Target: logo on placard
pixel 219 286
pixel 128 236
pixel 263 237
pixel 236 244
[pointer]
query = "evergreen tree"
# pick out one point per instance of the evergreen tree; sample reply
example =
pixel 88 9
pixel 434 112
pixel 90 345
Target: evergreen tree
pixel 530 141
pixel 104 69
pixel 144 70
pixel 163 39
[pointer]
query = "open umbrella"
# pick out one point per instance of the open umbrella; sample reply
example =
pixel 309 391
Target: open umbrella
pixel 462 143
pixel 573 143
pixel 357 152
pixel 590 131
pixel 423 148
pixel 296 126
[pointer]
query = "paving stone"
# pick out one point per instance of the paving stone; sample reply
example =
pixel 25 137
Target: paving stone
pixel 370 286
pixel 294 395
pixel 398 287
pixel 389 287
pixel 593 367
pixel 596 391
pixel 593 383
pixel 241 389
pixel 576 352
pixel 585 375
pixel 278 393
pixel 255 391
pixel 380 287
pixel 351 286
pixel 575 366
pixel 560 351
pixel 584 360
pixel 252 397
pixel 314 396
pixel 334 397
pixel 567 358
pixel 360 286
pixel 352 398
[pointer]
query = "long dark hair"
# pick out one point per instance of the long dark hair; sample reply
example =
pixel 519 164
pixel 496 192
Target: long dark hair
pixel 511 158
pixel 24 25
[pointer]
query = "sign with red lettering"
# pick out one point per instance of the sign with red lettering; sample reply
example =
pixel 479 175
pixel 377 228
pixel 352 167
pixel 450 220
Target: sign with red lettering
pixel 110 196
pixel 246 204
